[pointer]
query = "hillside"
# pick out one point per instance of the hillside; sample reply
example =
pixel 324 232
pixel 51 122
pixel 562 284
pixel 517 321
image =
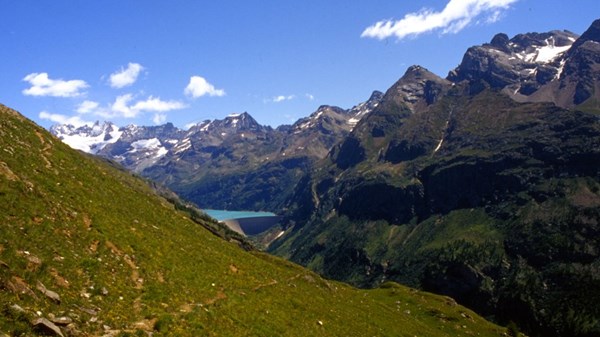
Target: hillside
pixel 94 250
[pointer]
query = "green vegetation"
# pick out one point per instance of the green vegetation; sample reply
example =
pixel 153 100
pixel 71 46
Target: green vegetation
pixel 126 262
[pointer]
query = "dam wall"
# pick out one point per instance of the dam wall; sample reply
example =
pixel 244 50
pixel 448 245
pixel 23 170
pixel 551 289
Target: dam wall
pixel 252 225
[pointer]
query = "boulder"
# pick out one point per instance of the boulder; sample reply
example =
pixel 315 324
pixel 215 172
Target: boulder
pixel 18 285
pixel 16 309
pixel 48 293
pixel 63 320
pixel 46 327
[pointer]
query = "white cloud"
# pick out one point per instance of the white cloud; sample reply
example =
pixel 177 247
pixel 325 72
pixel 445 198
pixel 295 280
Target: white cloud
pixel 457 15
pixel 159 118
pixel 63 119
pixel 121 107
pixel 124 106
pixel 126 77
pixel 158 105
pixel 42 85
pixel 310 97
pixel 494 17
pixel 199 87
pixel 283 98
pixel 87 107
pixel 279 99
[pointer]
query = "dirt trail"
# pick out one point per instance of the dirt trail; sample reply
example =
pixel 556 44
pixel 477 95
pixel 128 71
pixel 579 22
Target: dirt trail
pixel 135 274
pixel 45 149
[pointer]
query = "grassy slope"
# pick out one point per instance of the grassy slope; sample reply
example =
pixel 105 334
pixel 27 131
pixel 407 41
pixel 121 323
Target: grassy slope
pixel 104 241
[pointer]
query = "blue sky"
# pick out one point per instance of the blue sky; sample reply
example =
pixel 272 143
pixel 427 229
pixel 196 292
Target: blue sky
pixel 149 62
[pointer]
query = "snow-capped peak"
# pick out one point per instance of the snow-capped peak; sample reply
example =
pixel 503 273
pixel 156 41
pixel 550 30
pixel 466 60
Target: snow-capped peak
pixel 90 139
pixel 364 108
pixel 310 121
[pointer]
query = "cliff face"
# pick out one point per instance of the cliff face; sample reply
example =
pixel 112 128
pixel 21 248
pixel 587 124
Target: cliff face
pixel 500 195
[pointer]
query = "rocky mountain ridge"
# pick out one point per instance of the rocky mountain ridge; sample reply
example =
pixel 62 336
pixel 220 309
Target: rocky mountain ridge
pixel 232 150
pixel 559 67
pixel 471 186
pixel 120 143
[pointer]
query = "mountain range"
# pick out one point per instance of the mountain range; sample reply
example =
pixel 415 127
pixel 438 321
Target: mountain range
pixel 214 160
pixel 483 185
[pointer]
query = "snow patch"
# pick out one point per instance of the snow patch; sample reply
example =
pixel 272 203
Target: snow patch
pixel 543 54
pixel 531 71
pixel 149 144
pixel 184 145
pixel 550 52
pixel 205 127
pixel 311 122
pixel 561 67
pixel 439 145
pixel 514 93
pixel 444 133
pixel 353 121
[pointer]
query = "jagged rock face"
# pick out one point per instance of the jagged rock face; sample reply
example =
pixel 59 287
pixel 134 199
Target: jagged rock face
pixel 316 134
pixel 591 34
pixel 522 64
pixel 581 71
pixel 579 83
pixel 330 122
pixel 558 67
pixel 413 94
pixel 359 111
pixel 417 89
pixel 139 147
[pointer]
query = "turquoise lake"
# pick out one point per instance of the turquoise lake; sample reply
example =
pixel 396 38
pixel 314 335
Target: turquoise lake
pixel 224 215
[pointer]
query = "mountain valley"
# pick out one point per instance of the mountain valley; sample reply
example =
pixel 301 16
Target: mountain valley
pixel 483 186
pixel 89 249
